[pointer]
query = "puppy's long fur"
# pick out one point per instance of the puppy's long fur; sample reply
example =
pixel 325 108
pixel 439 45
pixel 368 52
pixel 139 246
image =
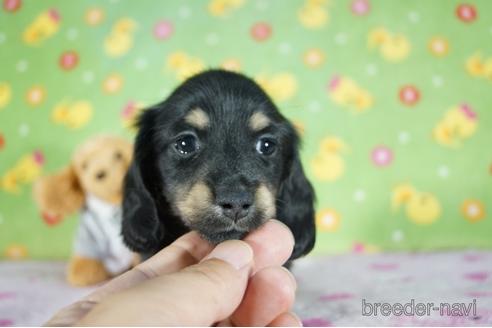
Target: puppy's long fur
pixel 217 157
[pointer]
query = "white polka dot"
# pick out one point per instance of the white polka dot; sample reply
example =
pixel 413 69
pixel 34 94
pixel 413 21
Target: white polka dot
pixel 359 196
pixel 212 39
pixel 443 171
pixel 3 38
pixel 371 69
pixel 473 210
pixel 397 236
pixel 403 137
pixel 314 106
pixel 284 48
pixel 262 5
pixel 141 63
pixel 184 12
pixel 341 39
pixel 414 17
pixel 72 34
pixel 23 130
pixel 437 81
pixel 22 66
pixel 328 219
pixel 88 76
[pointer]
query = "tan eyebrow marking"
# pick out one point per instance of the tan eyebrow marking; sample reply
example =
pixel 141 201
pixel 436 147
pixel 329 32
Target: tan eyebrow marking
pixel 198 118
pixel 258 121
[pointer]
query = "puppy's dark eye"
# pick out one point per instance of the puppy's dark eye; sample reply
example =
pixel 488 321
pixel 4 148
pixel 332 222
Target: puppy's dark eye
pixel 266 146
pixel 186 145
pixel 118 156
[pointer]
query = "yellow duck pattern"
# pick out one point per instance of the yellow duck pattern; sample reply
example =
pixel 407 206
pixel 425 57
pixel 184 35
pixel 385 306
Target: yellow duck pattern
pixel 379 93
pixel 25 171
pixel 420 207
pixel 346 93
pixel 458 124
pixel 120 40
pixel 393 47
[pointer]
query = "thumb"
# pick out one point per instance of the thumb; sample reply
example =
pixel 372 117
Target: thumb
pixel 198 295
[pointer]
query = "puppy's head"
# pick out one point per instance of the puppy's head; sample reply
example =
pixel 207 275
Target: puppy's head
pixel 217 156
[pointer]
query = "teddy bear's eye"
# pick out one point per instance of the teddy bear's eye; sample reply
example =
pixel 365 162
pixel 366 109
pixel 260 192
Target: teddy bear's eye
pixel 118 156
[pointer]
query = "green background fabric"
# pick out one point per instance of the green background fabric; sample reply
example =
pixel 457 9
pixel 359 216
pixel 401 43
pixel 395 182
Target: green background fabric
pixel 393 99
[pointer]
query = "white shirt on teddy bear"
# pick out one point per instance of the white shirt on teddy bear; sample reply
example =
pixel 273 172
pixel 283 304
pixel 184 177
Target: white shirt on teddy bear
pixel 99 235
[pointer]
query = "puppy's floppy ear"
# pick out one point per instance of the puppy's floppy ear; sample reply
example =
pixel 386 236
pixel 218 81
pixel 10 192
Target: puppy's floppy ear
pixel 295 206
pixel 142 229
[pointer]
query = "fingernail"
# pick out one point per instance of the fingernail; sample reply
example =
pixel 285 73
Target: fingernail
pixel 235 252
pixel 296 317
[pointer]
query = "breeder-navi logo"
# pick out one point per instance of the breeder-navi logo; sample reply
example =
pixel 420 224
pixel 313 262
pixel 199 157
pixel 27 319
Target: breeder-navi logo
pixel 418 309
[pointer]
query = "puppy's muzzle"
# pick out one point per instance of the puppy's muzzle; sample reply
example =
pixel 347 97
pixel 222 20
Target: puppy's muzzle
pixel 235 204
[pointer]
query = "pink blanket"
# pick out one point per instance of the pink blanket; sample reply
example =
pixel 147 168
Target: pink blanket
pixel 353 289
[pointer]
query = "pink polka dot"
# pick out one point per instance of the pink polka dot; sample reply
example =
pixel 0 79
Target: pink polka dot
pixel 38 157
pixel 384 266
pixel 68 60
pixel 261 31
pixel 479 294
pixel 477 276
pixel 466 13
pixel 358 247
pixel 473 257
pixel 12 5
pixel 7 295
pixel 2 141
pixel 382 156
pixel 468 111
pixel 316 322
pixel 6 322
pixel 163 30
pixel 336 296
pixel 333 83
pixel 54 15
pixel 360 7
pixel 409 95
pixel 129 109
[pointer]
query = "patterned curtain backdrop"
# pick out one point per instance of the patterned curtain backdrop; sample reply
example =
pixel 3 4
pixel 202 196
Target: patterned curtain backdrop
pixel 393 100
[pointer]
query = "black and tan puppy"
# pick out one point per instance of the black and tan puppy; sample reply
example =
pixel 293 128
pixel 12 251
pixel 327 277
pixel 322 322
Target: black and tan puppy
pixel 219 158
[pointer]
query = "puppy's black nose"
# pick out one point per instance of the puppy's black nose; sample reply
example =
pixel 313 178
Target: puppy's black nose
pixel 235 205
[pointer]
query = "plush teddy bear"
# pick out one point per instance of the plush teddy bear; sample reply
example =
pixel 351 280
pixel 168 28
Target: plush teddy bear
pixel 92 183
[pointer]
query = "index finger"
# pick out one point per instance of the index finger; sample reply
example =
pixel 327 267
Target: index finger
pixel 272 244
pixel 187 250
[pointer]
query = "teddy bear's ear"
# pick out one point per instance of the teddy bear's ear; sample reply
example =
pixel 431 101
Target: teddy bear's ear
pixel 59 194
pixel 127 149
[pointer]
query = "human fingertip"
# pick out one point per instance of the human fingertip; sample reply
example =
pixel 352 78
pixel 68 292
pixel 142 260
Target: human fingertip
pixel 291 277
pixel 287 319
pixel 284 227
pixel 235 252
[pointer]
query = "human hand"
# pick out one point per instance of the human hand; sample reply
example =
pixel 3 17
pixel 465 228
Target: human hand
pixel 191 283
